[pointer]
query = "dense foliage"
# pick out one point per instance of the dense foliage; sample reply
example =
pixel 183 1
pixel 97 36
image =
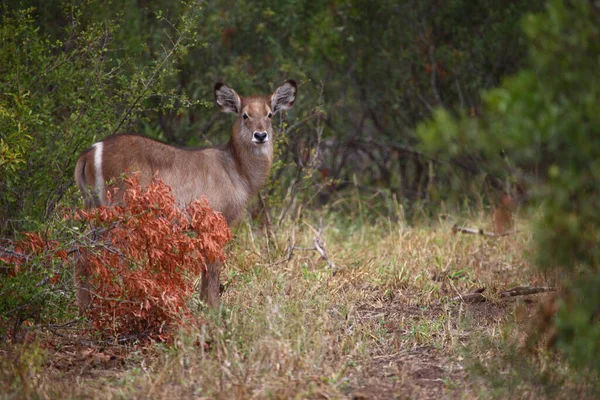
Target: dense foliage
pixel 73 74
pixel 67 82
pixel 33 284
pixel 542 128
pixel 135 265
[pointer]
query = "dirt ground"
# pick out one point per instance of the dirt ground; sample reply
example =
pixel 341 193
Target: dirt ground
pixel 392 371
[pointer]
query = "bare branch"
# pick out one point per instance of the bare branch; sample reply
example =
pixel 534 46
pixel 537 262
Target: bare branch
pixel 320 246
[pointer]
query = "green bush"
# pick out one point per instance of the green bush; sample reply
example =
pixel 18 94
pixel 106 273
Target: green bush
pixel 34 284
pixel 75 73
pixel 60 91
pixel 542 127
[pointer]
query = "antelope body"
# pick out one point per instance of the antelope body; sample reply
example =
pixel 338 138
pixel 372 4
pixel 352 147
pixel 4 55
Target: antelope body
pixel 228 175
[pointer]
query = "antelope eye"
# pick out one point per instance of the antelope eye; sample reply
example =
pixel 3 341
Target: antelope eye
pixel 245 116
pixel 270 115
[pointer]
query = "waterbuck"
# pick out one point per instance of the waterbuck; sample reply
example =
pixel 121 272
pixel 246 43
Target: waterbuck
pixel 227 175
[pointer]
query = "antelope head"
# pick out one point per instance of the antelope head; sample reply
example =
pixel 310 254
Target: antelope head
pixel 253 128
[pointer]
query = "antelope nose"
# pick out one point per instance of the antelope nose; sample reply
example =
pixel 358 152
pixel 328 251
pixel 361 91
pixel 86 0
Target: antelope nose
pixel 260 137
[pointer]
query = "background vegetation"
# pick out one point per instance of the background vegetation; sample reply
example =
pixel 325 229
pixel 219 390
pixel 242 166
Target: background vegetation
pixel 76 72
pixel 408 111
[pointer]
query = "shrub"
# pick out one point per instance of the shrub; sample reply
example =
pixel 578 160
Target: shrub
pixel 543 124
pixel 139 258
pixel 32 283
pixel 145 252
pixel 65 86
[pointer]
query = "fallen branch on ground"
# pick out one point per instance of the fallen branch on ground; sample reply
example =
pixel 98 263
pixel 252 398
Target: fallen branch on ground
pixel 479 231
pixel 526 291
pixel 478 297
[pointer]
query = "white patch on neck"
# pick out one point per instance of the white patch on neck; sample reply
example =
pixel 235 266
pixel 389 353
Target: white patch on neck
pixel 98 169
pixel 261 149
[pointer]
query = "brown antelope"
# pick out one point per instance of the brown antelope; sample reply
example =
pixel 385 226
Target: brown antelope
pixel 228 175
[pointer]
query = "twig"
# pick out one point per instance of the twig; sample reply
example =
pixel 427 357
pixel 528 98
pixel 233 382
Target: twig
pixel 526 291
pixel 312 162
pixel 434 74
pixel 268 243
pixel 65 325
pixel 425 102
pixel 320 247
pixel 53 328
pixel 12 253
pixel 268 224
pixel 460 94
pixel 289 252
pixel 147 85
pixel 473 231
pixel 289 195
pixel 479 231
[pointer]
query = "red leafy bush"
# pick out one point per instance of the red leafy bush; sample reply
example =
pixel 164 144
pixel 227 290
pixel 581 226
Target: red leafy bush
pixel 139 272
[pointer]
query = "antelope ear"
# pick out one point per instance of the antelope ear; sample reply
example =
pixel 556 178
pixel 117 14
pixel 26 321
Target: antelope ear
pixel 283 98
pixel 227 99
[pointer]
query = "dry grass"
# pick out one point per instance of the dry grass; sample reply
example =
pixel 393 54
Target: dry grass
pixel 384 325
